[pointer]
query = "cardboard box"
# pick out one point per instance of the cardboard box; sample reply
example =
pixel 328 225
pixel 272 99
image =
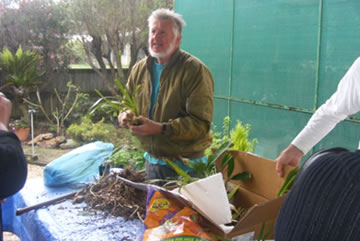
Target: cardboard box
pixel 257 195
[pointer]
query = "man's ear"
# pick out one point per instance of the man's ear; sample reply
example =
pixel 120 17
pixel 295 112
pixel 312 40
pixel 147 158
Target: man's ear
pixel 178 40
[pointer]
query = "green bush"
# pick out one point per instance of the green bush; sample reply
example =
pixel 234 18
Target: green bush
pixel 239 136
pixel 87 131
pixel 133 157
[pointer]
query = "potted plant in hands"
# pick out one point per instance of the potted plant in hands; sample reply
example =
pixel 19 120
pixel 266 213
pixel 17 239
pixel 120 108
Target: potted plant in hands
pixel 21 71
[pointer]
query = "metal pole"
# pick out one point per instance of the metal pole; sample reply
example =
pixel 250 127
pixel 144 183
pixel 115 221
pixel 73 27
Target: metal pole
pixel 32 132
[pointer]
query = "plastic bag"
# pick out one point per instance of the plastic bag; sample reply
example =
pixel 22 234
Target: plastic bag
pixel 78 166
pixel 165 220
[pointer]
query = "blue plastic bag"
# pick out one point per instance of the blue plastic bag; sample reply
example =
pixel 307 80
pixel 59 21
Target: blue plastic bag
pixel 78 166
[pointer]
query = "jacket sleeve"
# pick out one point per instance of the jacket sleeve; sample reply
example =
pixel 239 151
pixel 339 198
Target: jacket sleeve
pixel 199 106
pixel 13 169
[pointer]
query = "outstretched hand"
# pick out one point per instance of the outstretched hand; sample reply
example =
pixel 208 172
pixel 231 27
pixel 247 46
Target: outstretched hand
pixel 290 156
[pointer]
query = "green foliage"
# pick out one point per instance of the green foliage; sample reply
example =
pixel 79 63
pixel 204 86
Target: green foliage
pixel 207 169
pixel 19 123
pixel 133 157
pixel 289 181
pixel 240 138
pixel 87 131
pixel 40 25
pixel 21 69
pixel 122 101
pixel 263 236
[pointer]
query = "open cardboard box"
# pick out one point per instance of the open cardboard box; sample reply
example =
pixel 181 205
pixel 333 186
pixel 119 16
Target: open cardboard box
pixel 258 195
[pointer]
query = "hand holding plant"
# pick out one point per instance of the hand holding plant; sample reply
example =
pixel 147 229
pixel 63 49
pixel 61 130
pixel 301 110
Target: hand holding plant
pixel 124 103
pixel 124 118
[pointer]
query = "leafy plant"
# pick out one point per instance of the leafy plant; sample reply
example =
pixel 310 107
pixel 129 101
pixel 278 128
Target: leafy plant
pixel 87 131
pixel 19 123
pixel 207 169
pixel 122 101
pixel 125 157
pixel 289 181
pixel 69 103
pixel 21 73
pixel 239 136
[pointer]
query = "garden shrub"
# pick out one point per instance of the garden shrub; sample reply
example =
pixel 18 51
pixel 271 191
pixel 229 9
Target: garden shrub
pixel 87 131
pixel 239 136
pixel 127 157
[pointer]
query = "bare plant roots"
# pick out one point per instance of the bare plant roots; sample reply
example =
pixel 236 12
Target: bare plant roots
pixel 113 196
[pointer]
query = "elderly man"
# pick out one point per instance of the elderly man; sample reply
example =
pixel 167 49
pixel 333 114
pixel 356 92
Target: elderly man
pixel 13 166
pixel 175 99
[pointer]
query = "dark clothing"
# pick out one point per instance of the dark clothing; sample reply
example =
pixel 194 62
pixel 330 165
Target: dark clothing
pixel 324 204
pixel 13 166
pixel 184 103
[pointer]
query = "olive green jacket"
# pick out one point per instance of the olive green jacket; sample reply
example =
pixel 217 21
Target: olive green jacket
pixel 184 104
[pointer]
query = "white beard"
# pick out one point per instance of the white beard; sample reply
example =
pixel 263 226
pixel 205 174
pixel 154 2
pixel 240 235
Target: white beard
pixel 163 54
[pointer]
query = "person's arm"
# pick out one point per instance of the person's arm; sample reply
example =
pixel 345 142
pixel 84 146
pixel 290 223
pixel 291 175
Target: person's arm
pixel 344 102
pixel 199 107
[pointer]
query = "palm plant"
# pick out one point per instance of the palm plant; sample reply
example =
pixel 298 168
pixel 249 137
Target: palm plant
pixel 21 73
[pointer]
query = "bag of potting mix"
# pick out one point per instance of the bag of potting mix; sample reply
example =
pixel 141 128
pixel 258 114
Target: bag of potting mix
pixel 166 220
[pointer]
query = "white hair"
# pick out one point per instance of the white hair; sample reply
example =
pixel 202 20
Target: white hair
pixel 166 14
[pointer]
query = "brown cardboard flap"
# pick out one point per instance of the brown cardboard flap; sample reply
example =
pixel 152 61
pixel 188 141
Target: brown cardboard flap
pixel 246 199
pixel 258 214
pixel 264 181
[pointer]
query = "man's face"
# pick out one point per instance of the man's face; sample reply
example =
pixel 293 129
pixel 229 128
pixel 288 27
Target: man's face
pixel 162 39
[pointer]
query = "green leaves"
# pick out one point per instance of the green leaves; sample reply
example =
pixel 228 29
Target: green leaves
pixel 122 101
pixel 20 69
pixel 240 138
pixel 289 182
pixel 128 101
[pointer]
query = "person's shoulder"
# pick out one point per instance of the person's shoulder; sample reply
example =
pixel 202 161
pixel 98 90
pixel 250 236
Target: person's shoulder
pixel 140 63
pixel 191 59
pixel 357 62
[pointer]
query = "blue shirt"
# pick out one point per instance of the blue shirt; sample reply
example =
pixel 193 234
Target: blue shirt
pixel 157 70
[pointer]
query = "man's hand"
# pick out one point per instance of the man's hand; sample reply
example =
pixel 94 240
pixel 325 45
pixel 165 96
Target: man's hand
pixel 290 156
pixel 5 112
pixel 124 119
pixel 148 127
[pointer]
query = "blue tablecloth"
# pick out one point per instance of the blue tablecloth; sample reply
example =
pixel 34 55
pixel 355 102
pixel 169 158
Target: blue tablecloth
pixel 62 221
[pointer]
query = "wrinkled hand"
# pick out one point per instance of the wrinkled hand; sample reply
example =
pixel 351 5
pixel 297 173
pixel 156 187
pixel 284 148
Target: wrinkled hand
pixel 5 112
pixel 148 127
pixel 124 119
pixel 290 156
